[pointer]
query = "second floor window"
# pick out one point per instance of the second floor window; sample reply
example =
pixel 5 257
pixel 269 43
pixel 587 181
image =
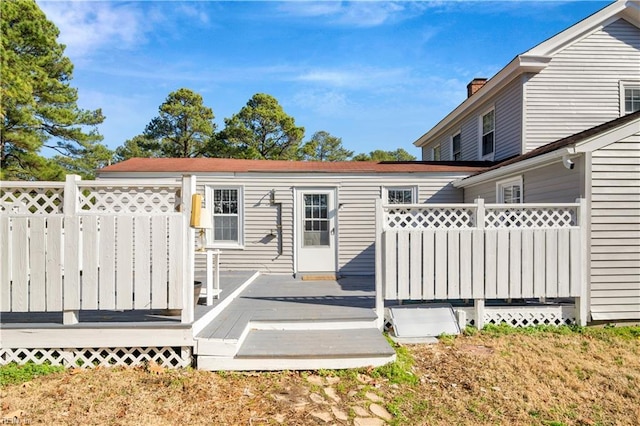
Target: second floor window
pixel 436 153
pixel 456 147
pixel 488 133
pixel 631 99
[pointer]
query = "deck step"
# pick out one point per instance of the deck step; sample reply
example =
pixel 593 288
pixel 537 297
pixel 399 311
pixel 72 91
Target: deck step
pixel 314 343
pixel 305 349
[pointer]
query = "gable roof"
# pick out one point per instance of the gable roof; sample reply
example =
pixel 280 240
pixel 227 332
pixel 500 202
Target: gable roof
pixel 537 58
pixel 628 124
pixel 230 165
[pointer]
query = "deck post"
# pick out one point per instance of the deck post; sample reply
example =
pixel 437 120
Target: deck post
pixel 478 305
pixel 188 189
pixel 582 308
pixel 70 308
pixel 378 249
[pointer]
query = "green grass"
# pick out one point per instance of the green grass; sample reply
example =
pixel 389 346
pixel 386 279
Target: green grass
pixel 400 371
pixel 14 374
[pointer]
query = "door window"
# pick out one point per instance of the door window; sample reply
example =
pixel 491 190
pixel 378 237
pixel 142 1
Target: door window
pixel 316 220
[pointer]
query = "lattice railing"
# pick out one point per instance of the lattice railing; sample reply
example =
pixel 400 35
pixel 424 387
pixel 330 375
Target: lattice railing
pixel 530 217
pixel 43 199
pixel 168 357
pixel 424 217
pixel 128 199
pixel 465 216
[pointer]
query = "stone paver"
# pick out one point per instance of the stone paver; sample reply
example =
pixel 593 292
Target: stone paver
pixel 331 394
pixel 380 411
pixel 373 397
pixel 360 411
pixel 340 415
pixel 325 416
pixel 368 421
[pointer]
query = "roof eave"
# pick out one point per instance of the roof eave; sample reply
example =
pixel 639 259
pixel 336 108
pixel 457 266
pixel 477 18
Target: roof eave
pixel 519 65
pixel 513 168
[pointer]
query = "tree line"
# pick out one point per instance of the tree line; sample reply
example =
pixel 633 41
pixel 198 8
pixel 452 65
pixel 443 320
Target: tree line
pixel 39 115
pixel 262 129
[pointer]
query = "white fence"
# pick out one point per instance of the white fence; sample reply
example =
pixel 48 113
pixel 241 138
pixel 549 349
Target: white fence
pixel 477 251
pixel 95 245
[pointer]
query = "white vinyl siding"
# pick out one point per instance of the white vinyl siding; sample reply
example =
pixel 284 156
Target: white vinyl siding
pixel 579 89
pixel 550 184
pixel 508 129
pixel 615 231
pixel 356 216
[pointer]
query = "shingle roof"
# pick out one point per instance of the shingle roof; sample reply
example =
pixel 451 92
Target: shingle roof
pixel 209 165
pixel 569 140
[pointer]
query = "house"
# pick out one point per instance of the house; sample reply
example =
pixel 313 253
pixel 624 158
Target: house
pixel 288 217
pixel 561 122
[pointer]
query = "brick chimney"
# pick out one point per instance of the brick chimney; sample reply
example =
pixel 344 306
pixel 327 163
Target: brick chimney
pixel 475 85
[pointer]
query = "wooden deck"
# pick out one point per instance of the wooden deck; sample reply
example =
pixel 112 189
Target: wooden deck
pixel 280 322
pixel 259 322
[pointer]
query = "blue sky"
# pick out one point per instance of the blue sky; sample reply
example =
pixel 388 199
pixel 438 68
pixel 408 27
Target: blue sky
pixel 376 74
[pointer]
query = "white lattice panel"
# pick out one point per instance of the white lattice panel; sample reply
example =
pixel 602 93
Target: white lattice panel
pixel 128 199
pixel 168 357
pixel 430 218
pixel 525 316
pixel 36 201
pixel 548 217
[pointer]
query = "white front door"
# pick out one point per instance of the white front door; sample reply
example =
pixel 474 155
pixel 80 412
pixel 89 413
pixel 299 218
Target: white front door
pixel 316 230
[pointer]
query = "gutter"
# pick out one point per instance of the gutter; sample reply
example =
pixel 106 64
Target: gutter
pixel 538 161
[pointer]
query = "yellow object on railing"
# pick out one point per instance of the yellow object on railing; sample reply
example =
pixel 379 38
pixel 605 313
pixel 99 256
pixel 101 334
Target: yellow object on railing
pixel 196 210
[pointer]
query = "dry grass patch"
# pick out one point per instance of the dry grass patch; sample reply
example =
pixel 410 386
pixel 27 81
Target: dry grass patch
pixel 589 377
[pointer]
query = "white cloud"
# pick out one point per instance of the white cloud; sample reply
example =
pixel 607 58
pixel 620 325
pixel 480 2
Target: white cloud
pixel 86 27
pixel 323 102
pixel 357 78
pixel 358 13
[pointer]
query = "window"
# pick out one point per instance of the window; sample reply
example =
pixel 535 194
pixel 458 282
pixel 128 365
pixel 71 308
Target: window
pixel 406 195
pixel 226 207
pixel 456 147
pixel 487 130
pixel 509 191
pixel 436 153
pixel 629 97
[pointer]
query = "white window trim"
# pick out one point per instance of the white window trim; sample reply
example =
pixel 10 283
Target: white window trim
pixel 413 189
pixel 512 181
pixel 488 157
pixel 451 153
pixel 626 84
pixel 209 205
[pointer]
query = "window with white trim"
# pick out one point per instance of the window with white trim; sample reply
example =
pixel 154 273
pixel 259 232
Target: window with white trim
pixel 227 208
pixel 487 133
pixel 629 97
pixel 401 195
pixel 456 147
pixel 509 191
pixel 436 153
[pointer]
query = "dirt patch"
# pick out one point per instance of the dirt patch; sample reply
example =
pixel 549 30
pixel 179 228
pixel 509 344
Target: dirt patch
pixel 545 378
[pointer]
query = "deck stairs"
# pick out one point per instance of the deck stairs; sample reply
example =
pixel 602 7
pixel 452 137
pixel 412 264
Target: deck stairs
pixel 292 325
